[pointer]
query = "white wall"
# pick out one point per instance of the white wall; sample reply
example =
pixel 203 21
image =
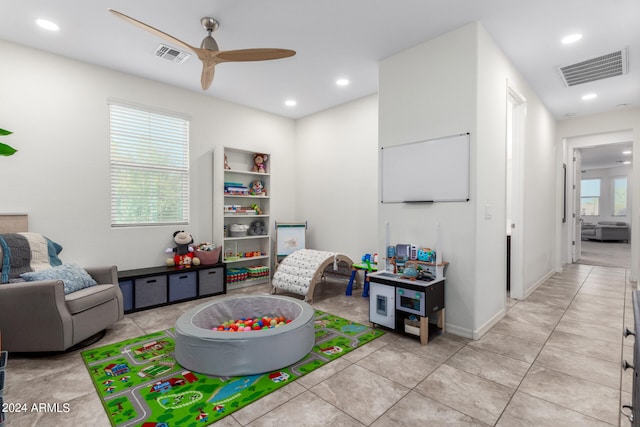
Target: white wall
pixel 458 83
pixel 425 92
pixel 601 124
pixel 538 185
pixel 336 178
pixel 57 109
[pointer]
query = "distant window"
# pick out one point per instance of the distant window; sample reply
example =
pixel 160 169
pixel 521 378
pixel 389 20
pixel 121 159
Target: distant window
pixel 590 197
pixel 149 167
pixel 620 196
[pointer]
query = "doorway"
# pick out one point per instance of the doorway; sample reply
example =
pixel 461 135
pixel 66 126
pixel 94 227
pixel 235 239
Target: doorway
pixel 516 115
pixel 599 161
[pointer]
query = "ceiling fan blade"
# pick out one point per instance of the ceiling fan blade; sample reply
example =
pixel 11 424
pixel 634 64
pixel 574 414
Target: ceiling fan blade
pixel 252 54
pixel 208 69
pixel 153 30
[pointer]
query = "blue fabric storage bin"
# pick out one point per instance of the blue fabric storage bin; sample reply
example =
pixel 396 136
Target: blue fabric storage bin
pixel 150 291
pixel 126 287
pixel 183 286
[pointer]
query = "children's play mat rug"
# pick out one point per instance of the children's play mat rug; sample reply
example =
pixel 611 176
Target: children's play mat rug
pixel 141 384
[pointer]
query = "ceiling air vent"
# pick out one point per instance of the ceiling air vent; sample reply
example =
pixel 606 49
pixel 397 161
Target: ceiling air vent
pixel 172 54
pixel 602 67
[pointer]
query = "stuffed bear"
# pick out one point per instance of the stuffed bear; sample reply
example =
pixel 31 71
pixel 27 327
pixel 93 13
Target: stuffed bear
pixel 257 228
pixel 259 163
pixel 183 253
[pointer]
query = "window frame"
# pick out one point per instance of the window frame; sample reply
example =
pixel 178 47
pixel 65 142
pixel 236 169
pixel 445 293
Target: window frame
pixel 156 161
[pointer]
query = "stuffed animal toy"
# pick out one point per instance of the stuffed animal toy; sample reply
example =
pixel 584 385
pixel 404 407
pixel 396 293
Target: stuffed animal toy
pixel 257 188
pixel 226 163
pixel 257 228
pixel 183 253
pixel 259 163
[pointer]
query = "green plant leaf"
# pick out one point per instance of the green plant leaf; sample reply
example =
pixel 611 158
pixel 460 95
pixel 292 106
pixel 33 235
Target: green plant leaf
pixel 5 132
pixel 6 150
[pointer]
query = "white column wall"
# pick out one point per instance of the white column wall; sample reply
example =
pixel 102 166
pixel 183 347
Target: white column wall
pixel 429 91
pixel 458 83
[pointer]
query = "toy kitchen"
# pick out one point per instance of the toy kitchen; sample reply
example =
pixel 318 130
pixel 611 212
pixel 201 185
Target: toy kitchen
pixel 409 291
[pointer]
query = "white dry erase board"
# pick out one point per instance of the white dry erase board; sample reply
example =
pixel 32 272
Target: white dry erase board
pixel 290 237
pixel 434 170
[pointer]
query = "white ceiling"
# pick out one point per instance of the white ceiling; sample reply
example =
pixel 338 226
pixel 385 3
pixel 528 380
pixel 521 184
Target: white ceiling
pixel 336 38
pixel 606 156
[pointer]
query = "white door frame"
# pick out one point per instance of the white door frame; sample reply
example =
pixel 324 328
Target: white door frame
pixel 577 142
pixel 518 106
pixel 576 220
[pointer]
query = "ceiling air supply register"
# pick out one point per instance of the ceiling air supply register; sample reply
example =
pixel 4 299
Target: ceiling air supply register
pixel 427 171
pixel 602 67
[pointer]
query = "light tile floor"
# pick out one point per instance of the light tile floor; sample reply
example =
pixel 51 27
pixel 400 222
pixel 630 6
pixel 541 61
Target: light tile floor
pixel 553 360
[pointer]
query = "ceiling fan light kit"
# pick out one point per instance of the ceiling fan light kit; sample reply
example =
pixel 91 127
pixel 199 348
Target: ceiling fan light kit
pixel 208 52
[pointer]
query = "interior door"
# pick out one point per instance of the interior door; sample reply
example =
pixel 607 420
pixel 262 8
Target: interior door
pixel 516 117
pixel 577 220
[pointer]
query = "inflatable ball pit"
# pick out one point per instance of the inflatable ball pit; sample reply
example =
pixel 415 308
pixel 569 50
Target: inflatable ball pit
pixel 222 353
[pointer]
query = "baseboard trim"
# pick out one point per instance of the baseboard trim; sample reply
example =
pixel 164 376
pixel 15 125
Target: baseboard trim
pixel 539 282
pixel 457 330
pixel 478 333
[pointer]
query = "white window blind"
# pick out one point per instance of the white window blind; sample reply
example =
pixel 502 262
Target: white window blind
pixel 149 167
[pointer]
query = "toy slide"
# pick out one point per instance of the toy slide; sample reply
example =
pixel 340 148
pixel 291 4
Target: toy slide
pixel 300 271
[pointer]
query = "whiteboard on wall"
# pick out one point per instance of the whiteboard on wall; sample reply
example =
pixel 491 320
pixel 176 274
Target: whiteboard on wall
pixel 290 237
pixel 434 170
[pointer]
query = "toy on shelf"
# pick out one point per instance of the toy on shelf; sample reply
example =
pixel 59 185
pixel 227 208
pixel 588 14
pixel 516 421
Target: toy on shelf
pixel 411 270
pixel 258 271
pixel 259 163
pixel 256 208
pixel 257 188
pixel 426 255
pixel 235 275
pixel 184 255
pixel 258 228
pixel 226 163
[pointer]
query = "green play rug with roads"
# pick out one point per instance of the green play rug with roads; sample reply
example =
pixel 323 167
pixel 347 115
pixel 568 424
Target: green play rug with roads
pixel 141 384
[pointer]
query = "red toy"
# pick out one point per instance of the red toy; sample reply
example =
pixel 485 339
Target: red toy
pixel 183 253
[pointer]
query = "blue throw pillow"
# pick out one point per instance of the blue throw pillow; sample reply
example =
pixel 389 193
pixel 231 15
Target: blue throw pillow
pixel 73 276
pixel 54 250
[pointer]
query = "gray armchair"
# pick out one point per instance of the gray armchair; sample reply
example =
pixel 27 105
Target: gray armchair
pixel 38 316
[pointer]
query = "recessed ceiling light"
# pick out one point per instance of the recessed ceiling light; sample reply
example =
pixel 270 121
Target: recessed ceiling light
pixel 626 162
pixel 342 82
pixel 47 25
pixel 290 103
pixel 571 38
pixel 626 152
pixel 589 96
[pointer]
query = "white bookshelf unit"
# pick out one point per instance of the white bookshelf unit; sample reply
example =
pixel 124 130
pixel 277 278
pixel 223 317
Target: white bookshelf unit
pixel 247 254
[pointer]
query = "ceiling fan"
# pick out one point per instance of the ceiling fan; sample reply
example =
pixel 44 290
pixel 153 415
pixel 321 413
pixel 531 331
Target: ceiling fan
pixel 208 51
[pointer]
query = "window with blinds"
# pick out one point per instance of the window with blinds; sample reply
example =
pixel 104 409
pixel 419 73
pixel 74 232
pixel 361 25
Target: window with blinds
pixel 149 167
